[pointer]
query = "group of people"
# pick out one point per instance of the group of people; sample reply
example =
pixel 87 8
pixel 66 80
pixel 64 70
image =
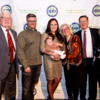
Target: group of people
pixel 78 53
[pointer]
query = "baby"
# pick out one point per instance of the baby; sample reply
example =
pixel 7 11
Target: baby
pixel 54 47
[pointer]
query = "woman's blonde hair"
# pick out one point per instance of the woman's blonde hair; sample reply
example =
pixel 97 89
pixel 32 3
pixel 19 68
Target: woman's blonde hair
pixel 71 32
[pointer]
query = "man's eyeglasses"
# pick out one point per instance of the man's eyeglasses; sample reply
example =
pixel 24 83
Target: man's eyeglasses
pixel 30 21
pixel 6 18
pixel 83 21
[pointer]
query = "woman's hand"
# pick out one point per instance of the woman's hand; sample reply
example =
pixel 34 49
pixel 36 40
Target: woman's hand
pixel 56 56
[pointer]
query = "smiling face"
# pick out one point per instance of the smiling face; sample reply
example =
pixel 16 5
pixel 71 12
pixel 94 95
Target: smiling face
pixel 83 22
pixel 53 26
pixel 65 30
pixel 31 22
pixel 5 20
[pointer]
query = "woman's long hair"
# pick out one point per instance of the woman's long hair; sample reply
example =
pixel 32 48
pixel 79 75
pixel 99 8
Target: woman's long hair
pixel 57 33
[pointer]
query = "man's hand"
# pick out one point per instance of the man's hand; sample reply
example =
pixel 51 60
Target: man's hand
pixel 28 70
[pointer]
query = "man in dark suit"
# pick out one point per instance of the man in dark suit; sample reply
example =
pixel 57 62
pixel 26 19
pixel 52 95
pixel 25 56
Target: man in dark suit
pixel 8 57
pixel 88 37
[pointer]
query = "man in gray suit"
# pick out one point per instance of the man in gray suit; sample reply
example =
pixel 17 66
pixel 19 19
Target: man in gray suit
pixel 8 57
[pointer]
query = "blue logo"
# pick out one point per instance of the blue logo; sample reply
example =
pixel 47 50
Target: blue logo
pixel 96 10
pixel 6 7
pixel 34 92
pixel 52 11
pixel 75 27
pixel 25 26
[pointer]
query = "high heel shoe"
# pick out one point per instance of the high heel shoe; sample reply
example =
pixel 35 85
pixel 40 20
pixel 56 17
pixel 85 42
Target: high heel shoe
pixel 48 98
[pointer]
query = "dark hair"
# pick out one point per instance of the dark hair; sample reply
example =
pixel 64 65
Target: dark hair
pixel 30 15
pixel 57 34
pixel 83 16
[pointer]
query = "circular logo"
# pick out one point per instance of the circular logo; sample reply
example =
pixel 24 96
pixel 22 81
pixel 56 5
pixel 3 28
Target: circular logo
pixel 75 27
pixel 52 11
pixel 34 92
pixel 6 7
pixel 25 26
pixel 96 10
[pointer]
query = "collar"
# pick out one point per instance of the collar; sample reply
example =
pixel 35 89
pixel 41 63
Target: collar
pixel 4 29
pixel 86 30
pixel 27 28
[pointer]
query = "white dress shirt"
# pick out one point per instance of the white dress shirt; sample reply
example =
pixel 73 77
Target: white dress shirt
pixel 89 46
pixel 5 34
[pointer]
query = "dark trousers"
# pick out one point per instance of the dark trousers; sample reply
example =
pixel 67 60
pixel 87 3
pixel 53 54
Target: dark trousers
pixel 72 78
pixel 8 85
pixel 87 68
pixel 97 73
pixel 28 82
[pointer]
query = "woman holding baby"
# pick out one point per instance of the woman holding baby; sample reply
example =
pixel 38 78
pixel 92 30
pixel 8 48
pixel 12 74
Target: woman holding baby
pixel 52 65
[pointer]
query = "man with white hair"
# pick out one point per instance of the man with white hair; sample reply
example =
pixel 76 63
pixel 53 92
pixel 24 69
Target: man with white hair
pixel 8 57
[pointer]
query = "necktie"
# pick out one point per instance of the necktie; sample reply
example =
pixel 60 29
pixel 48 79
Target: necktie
pixel 84 45
pixel 11 46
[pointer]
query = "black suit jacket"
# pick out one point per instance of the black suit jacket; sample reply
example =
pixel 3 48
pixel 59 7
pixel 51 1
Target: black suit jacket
pixel 94 35
pixel 5 55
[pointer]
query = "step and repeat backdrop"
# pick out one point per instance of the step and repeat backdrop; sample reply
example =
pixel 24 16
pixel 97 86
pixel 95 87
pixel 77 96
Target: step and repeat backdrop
pixel 65 11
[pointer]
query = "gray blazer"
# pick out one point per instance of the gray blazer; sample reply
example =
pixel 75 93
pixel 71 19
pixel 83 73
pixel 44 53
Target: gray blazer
pixel 5 55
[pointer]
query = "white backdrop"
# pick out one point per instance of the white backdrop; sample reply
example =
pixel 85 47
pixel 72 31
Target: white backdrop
pixel 65 11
